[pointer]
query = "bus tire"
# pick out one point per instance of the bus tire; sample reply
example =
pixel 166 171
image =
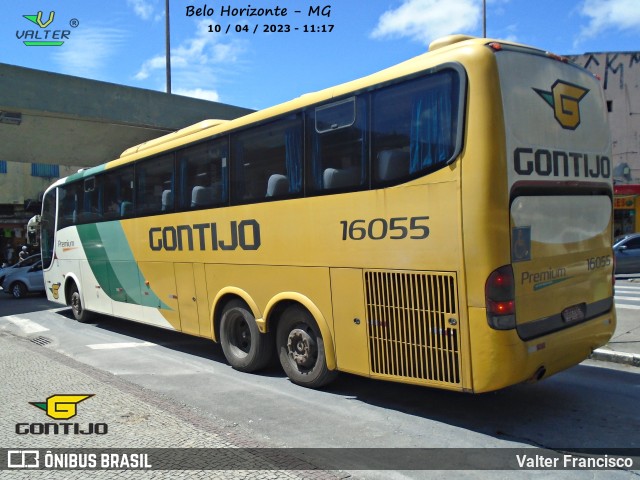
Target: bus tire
pixel 301 349
pixel 79 313
pixel 244 347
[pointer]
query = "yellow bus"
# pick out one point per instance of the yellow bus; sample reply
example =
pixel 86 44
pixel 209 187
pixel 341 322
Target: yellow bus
pixel 444 222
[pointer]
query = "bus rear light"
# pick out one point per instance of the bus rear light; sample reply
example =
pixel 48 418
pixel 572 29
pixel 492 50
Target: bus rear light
pixel 557 57
pixel 500 299
pixel 495 46
pixel 501 308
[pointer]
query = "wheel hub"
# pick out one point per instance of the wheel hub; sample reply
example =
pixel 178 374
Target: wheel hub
pixel 243 336
pixel 302 348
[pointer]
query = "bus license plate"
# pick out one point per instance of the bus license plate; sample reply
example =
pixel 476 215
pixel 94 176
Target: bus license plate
pixel 574 313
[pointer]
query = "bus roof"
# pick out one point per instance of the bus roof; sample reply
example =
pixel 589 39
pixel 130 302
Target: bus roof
pixel 207 128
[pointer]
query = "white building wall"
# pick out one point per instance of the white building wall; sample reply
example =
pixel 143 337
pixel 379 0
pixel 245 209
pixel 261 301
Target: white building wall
pixel 619 73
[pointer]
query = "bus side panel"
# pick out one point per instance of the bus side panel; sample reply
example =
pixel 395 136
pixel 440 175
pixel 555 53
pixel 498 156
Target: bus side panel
pixel 95 295
pixel 159 277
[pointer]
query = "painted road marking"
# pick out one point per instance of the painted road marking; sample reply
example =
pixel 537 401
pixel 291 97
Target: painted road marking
pixel 26 325
pixel 628 307
pixel 626 298
pixel 115 346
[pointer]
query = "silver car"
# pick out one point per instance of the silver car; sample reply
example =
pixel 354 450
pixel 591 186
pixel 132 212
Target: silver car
pixel 27 262
pixel 627 251
pixel 24 280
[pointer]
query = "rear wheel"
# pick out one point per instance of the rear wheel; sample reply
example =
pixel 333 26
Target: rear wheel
pixel 301 349
pixel 244 347
pixel 79 313
pixel 18 290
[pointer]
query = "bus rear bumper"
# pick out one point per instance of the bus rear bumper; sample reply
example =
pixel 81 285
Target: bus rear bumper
pixel 500 358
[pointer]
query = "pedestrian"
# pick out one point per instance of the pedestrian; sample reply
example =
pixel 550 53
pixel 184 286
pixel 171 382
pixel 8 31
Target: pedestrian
pixel 9 254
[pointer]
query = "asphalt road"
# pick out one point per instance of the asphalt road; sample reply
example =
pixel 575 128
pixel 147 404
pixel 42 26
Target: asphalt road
pixel 593 405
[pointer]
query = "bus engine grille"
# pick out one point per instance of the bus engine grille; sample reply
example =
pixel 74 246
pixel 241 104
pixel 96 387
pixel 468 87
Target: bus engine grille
pixel 412 322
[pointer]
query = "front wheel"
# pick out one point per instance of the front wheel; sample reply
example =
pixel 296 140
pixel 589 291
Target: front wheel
pixel 244 347
pixel 79 313
pixel 301 349
pixel 18 290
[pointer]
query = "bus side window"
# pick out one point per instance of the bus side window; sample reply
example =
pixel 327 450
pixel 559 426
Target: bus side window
pixel 117 194
pixel 154 185
pixel 91 200
pixel 268 161
pixel 338 146
pixel 71 196
pixel 202 175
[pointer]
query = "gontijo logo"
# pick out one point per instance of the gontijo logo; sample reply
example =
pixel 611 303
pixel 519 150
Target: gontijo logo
pixel 564 98
pixel 43 37
pixel 61 407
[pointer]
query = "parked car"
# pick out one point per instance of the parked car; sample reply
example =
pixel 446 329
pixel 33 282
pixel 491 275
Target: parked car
pixel 626 248
pixel 24 280
pixel 27 262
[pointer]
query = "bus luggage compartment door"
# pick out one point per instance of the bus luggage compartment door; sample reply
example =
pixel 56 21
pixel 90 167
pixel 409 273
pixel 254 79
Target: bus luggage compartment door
pixel 192 297
pixel 349 320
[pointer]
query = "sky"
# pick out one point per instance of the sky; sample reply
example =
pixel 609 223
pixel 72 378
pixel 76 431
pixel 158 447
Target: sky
pixel 123 41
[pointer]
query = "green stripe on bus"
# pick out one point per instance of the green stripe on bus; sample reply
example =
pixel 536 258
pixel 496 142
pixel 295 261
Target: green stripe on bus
pixel 84 173
pixel 114 266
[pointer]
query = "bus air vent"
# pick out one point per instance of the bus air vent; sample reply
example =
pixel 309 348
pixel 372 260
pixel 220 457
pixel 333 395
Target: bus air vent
pixel 412 321
pixel 448 40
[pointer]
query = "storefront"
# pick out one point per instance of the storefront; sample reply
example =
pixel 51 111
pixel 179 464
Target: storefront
pixel 626 208
pixel 12 238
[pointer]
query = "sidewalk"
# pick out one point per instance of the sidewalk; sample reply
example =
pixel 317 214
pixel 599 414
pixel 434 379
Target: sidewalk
pixel 130 418
pixel 624 346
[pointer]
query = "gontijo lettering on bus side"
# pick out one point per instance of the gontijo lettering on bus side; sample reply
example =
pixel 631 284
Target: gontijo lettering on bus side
pixel 244 234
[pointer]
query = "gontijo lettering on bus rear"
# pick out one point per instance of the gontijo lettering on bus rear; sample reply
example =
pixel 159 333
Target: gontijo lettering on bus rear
pixel 557 163
pixel 244 234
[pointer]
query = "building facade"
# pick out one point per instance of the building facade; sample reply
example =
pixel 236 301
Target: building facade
pixel 619 73
pixel 52 125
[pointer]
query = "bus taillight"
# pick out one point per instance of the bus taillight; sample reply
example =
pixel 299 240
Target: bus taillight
pixel 500 298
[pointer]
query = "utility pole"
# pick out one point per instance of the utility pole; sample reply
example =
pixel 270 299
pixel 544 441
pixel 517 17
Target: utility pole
pixel 484 18
pixel 168 45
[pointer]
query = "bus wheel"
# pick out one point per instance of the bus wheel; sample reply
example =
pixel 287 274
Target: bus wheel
pixel 301 349
pixel 244 347
pixel 79 313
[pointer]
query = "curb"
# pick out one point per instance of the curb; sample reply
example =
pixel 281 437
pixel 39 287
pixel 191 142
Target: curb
pixel 616 357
